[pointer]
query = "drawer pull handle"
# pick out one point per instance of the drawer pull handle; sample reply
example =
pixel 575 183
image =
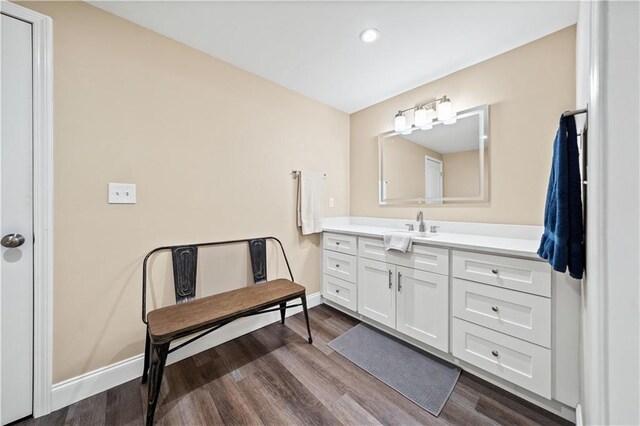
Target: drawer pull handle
pixel 495 271
pixel 337 290
pixel 494 353
pixel 337 243
pixel 494 308
pixel 399 283
pixel 390 275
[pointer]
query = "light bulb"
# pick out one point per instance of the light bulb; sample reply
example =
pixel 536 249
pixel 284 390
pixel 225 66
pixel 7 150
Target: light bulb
pixel 445 109
pixel 399 122
pixel 420 117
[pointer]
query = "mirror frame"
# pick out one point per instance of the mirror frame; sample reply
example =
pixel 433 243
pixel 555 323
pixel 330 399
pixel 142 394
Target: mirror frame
pixel 483 131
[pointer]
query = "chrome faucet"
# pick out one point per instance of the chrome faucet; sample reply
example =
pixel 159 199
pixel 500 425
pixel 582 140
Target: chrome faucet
pixel 420 219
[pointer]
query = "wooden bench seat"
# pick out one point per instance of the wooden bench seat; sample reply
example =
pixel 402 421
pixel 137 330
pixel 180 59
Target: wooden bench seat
pixel 196 317
pixel 173 322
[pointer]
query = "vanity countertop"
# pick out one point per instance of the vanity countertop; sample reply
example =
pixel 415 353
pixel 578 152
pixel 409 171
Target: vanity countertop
pixel 495 244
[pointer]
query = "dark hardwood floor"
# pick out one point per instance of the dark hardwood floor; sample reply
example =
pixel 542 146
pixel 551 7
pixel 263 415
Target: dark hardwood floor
pixel 273 376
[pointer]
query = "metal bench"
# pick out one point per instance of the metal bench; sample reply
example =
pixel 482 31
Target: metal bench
pixel 204 315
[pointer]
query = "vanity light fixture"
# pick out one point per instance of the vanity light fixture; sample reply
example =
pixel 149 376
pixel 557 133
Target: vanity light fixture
pixel 424 114
pixel 445 110
pixel 369 35
pixel 400 122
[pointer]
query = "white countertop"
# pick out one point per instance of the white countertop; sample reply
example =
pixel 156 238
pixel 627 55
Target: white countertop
pixel 523 247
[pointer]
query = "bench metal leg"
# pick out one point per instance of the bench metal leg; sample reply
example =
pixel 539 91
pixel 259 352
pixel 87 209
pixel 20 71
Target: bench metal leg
pixel 283 309
pixel 158 360
pixel 306 316
pixel 147 356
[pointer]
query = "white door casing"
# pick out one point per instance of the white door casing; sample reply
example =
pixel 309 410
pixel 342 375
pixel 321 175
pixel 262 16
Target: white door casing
pixel 16 217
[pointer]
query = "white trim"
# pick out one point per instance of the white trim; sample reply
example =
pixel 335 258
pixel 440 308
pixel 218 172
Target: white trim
pixel 42 201
pixel 579 420
pixel 81 387
pixel 595 392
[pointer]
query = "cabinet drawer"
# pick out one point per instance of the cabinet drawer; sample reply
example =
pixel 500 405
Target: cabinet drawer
pixel 517 274
pixel 521 315
pixel 341 292
pixel 343 243
pixel 523 363
pixel 340 265
pixel 424 258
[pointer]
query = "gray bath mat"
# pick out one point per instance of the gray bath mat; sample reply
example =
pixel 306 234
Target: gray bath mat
pixel 423 379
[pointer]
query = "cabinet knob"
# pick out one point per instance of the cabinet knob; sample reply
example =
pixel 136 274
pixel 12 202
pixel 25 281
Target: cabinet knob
pixel 337 290
pixel 337 265
pixel 495 271
pixel 494 353
pixel 337 243
pixel 494 308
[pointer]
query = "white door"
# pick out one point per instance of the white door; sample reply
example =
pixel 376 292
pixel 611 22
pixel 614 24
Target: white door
pixel 376 291
pixel 433 180
pixel 16 217
pixel 423 306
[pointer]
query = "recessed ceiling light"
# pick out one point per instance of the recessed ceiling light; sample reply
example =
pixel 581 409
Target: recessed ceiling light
pixel 369 35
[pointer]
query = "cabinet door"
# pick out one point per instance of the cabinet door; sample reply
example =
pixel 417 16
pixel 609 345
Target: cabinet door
pixel 376 291
pixel 423 306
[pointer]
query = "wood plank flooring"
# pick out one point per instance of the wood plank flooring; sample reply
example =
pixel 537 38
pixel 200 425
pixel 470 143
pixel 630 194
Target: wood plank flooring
pixel 274 377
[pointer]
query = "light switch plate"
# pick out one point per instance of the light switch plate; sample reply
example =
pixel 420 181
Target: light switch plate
pixel 122 193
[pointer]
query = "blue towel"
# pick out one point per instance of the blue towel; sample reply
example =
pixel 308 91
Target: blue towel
pixel 562 243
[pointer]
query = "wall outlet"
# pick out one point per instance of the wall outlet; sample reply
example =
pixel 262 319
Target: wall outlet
pixel 332 202
pixel 122 193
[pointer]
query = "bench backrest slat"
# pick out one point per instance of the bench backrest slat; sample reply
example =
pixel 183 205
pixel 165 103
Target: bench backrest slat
pixel 185 262
pixel 258 252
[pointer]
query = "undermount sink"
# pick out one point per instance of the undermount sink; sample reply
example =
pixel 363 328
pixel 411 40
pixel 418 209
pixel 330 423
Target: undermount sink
pixel 419 234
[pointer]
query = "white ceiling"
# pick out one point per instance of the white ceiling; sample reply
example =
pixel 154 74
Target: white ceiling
pixel 314 47
pixel 446 139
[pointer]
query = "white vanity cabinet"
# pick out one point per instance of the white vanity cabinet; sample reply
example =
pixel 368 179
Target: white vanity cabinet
pixel 504 317
pixel 408 292
pixel 422 301
pixel 377 291
pixel 412 301
pixel 340 269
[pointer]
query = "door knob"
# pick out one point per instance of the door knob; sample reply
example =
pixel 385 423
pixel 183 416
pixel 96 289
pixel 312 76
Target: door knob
pixel 12 240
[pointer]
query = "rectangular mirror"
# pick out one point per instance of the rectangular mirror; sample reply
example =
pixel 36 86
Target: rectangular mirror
pixel 446 164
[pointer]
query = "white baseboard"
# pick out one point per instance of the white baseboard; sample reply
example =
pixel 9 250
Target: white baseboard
pixel 579 419
pixel 78 388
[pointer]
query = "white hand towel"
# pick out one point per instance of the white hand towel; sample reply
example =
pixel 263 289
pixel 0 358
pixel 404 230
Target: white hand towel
pixel 309 204
pixel 400 241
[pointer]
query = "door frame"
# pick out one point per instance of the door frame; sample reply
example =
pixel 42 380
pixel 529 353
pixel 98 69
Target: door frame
pixel 42 39
pixel 428 158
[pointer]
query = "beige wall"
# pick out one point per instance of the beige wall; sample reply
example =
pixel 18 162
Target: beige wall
pixel 210 148
pixel 527 89
pixel 462 173
pixel 404 167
